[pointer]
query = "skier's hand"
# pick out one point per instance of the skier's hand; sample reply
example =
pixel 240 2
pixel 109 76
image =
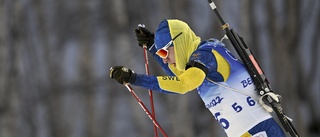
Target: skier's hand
pixel 144 36
pixel 122 74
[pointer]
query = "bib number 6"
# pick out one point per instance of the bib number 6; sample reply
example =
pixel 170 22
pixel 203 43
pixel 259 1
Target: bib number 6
pixel 223 122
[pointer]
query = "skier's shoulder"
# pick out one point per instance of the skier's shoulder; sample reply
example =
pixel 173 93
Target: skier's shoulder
pixel 204 49
pixel 210 44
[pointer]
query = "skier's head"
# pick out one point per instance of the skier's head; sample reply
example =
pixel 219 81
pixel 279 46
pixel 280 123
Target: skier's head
pixel 162 35
pixel 175 35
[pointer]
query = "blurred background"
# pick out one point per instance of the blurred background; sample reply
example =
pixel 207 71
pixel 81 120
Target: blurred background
pixel 55 57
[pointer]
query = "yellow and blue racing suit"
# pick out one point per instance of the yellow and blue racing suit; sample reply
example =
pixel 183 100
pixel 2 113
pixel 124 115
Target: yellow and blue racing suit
pixel 237 112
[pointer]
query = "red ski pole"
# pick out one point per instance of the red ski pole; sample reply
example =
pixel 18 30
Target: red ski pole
pixel 146 64
pixel 155 123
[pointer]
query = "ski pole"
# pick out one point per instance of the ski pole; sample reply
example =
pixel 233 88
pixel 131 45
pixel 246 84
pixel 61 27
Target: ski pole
pixel 146 64
pixel 145 109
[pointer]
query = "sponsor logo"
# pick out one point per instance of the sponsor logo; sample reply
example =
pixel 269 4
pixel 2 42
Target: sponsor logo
pixel 195 56
pixel 246 82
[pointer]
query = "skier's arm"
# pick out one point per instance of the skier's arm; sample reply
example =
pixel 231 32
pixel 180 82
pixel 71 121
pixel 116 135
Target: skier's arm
pixel 187 81
pixel 149 82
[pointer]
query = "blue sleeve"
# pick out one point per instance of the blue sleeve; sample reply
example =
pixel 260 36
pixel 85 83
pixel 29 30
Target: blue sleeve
pixel 149 82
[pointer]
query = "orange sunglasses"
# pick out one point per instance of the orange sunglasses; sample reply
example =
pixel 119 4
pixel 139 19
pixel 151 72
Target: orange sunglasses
pixel 163 52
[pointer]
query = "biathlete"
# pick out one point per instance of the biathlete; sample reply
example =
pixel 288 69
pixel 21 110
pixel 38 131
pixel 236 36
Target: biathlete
pixel 221 80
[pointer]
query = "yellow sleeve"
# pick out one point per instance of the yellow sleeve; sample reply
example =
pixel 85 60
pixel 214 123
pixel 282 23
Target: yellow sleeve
pixel 186 81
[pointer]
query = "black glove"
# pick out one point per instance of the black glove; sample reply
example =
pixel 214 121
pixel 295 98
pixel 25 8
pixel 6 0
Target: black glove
pixel 122 74
pixel 144 36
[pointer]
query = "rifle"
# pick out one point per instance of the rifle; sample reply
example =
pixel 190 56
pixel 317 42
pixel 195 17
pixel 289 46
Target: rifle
pixel 257 74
